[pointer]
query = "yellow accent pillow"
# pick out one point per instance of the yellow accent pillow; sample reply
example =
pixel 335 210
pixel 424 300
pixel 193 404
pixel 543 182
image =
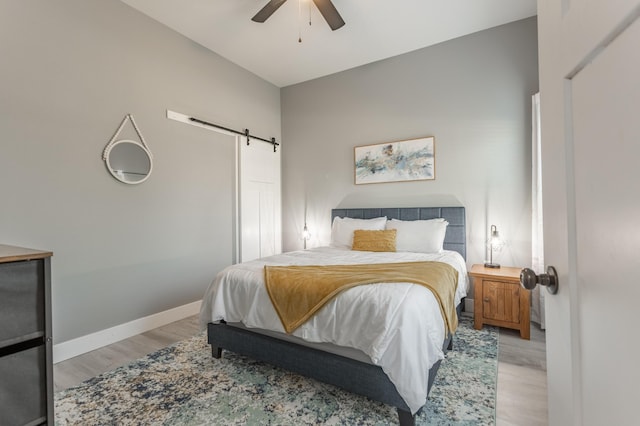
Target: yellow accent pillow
pixel 365 240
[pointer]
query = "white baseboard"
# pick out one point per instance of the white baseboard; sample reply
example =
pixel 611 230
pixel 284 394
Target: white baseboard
pixel 90 342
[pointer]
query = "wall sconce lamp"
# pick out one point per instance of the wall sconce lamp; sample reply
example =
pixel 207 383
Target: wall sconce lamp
pixel 305 235
pixel 494 243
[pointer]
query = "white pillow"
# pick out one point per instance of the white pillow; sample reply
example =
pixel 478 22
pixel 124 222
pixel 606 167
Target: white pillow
pixel 343 227
pixel 420 236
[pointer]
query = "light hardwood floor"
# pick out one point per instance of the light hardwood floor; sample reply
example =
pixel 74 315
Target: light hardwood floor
pixel 522 380
pixel 78 369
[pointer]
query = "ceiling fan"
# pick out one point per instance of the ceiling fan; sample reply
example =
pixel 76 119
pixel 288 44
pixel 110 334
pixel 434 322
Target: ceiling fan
pixel 326 8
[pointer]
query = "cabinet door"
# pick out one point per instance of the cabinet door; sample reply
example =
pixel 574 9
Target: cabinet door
pixel 501 301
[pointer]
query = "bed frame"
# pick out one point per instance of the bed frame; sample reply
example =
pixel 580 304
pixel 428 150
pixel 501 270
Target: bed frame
pixel 354 376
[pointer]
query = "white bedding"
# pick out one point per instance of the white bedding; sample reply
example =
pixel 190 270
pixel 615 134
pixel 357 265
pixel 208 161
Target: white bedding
pixel 405 342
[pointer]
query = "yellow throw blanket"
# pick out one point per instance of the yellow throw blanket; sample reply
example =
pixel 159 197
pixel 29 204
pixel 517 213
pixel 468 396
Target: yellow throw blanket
pixel 298 292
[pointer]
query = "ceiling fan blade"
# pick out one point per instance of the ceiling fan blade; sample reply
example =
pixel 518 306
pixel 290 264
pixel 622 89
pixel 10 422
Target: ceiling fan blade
pixel 330 13
pixel 267 10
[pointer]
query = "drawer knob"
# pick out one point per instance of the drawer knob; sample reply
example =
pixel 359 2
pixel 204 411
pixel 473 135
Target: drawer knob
pixel 529 279
pixel 486 299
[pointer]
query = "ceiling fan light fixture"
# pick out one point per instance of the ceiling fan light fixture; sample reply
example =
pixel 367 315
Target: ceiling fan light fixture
pixel 326 8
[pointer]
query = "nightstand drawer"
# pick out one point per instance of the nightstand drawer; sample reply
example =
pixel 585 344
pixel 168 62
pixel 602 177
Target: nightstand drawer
pixel 22 314
pixel 23 392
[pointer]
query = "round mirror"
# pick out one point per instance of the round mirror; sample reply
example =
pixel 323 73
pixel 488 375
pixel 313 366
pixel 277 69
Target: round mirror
pixel 129 162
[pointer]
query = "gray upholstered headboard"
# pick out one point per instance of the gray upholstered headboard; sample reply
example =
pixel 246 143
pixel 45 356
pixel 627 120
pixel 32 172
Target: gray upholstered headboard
pixel 455 238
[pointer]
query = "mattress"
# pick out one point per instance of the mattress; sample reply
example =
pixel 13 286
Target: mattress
pixel 398 326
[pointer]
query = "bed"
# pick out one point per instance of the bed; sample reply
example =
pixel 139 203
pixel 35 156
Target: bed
pixel 364 368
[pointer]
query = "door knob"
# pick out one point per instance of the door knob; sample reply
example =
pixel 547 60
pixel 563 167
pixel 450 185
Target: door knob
pixel 529 279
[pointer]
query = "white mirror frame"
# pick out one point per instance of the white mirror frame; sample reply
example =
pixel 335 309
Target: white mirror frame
pixel 115 173
pixel 106 154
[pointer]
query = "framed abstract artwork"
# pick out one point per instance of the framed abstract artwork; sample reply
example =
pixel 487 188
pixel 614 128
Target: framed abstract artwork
pixel 408 160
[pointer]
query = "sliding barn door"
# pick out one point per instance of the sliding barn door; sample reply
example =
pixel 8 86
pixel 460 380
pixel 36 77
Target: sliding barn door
pixel 259 205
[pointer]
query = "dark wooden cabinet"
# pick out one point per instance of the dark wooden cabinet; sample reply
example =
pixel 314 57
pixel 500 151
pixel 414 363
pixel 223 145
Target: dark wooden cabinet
pixel 499 299
pixel 26 367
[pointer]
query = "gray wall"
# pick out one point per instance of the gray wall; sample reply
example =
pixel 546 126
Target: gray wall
pixel 71 70
pixel 472 93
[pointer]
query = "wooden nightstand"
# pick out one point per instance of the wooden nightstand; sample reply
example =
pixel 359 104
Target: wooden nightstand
pixel 499 299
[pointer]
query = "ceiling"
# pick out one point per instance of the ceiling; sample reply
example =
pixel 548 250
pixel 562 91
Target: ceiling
pixel 374 30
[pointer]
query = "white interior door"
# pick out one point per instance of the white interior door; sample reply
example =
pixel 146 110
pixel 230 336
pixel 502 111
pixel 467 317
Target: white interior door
pixel 260 212
pixel 590 97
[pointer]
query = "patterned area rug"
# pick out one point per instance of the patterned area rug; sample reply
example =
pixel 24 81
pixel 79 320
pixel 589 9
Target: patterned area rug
pixel 183 385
